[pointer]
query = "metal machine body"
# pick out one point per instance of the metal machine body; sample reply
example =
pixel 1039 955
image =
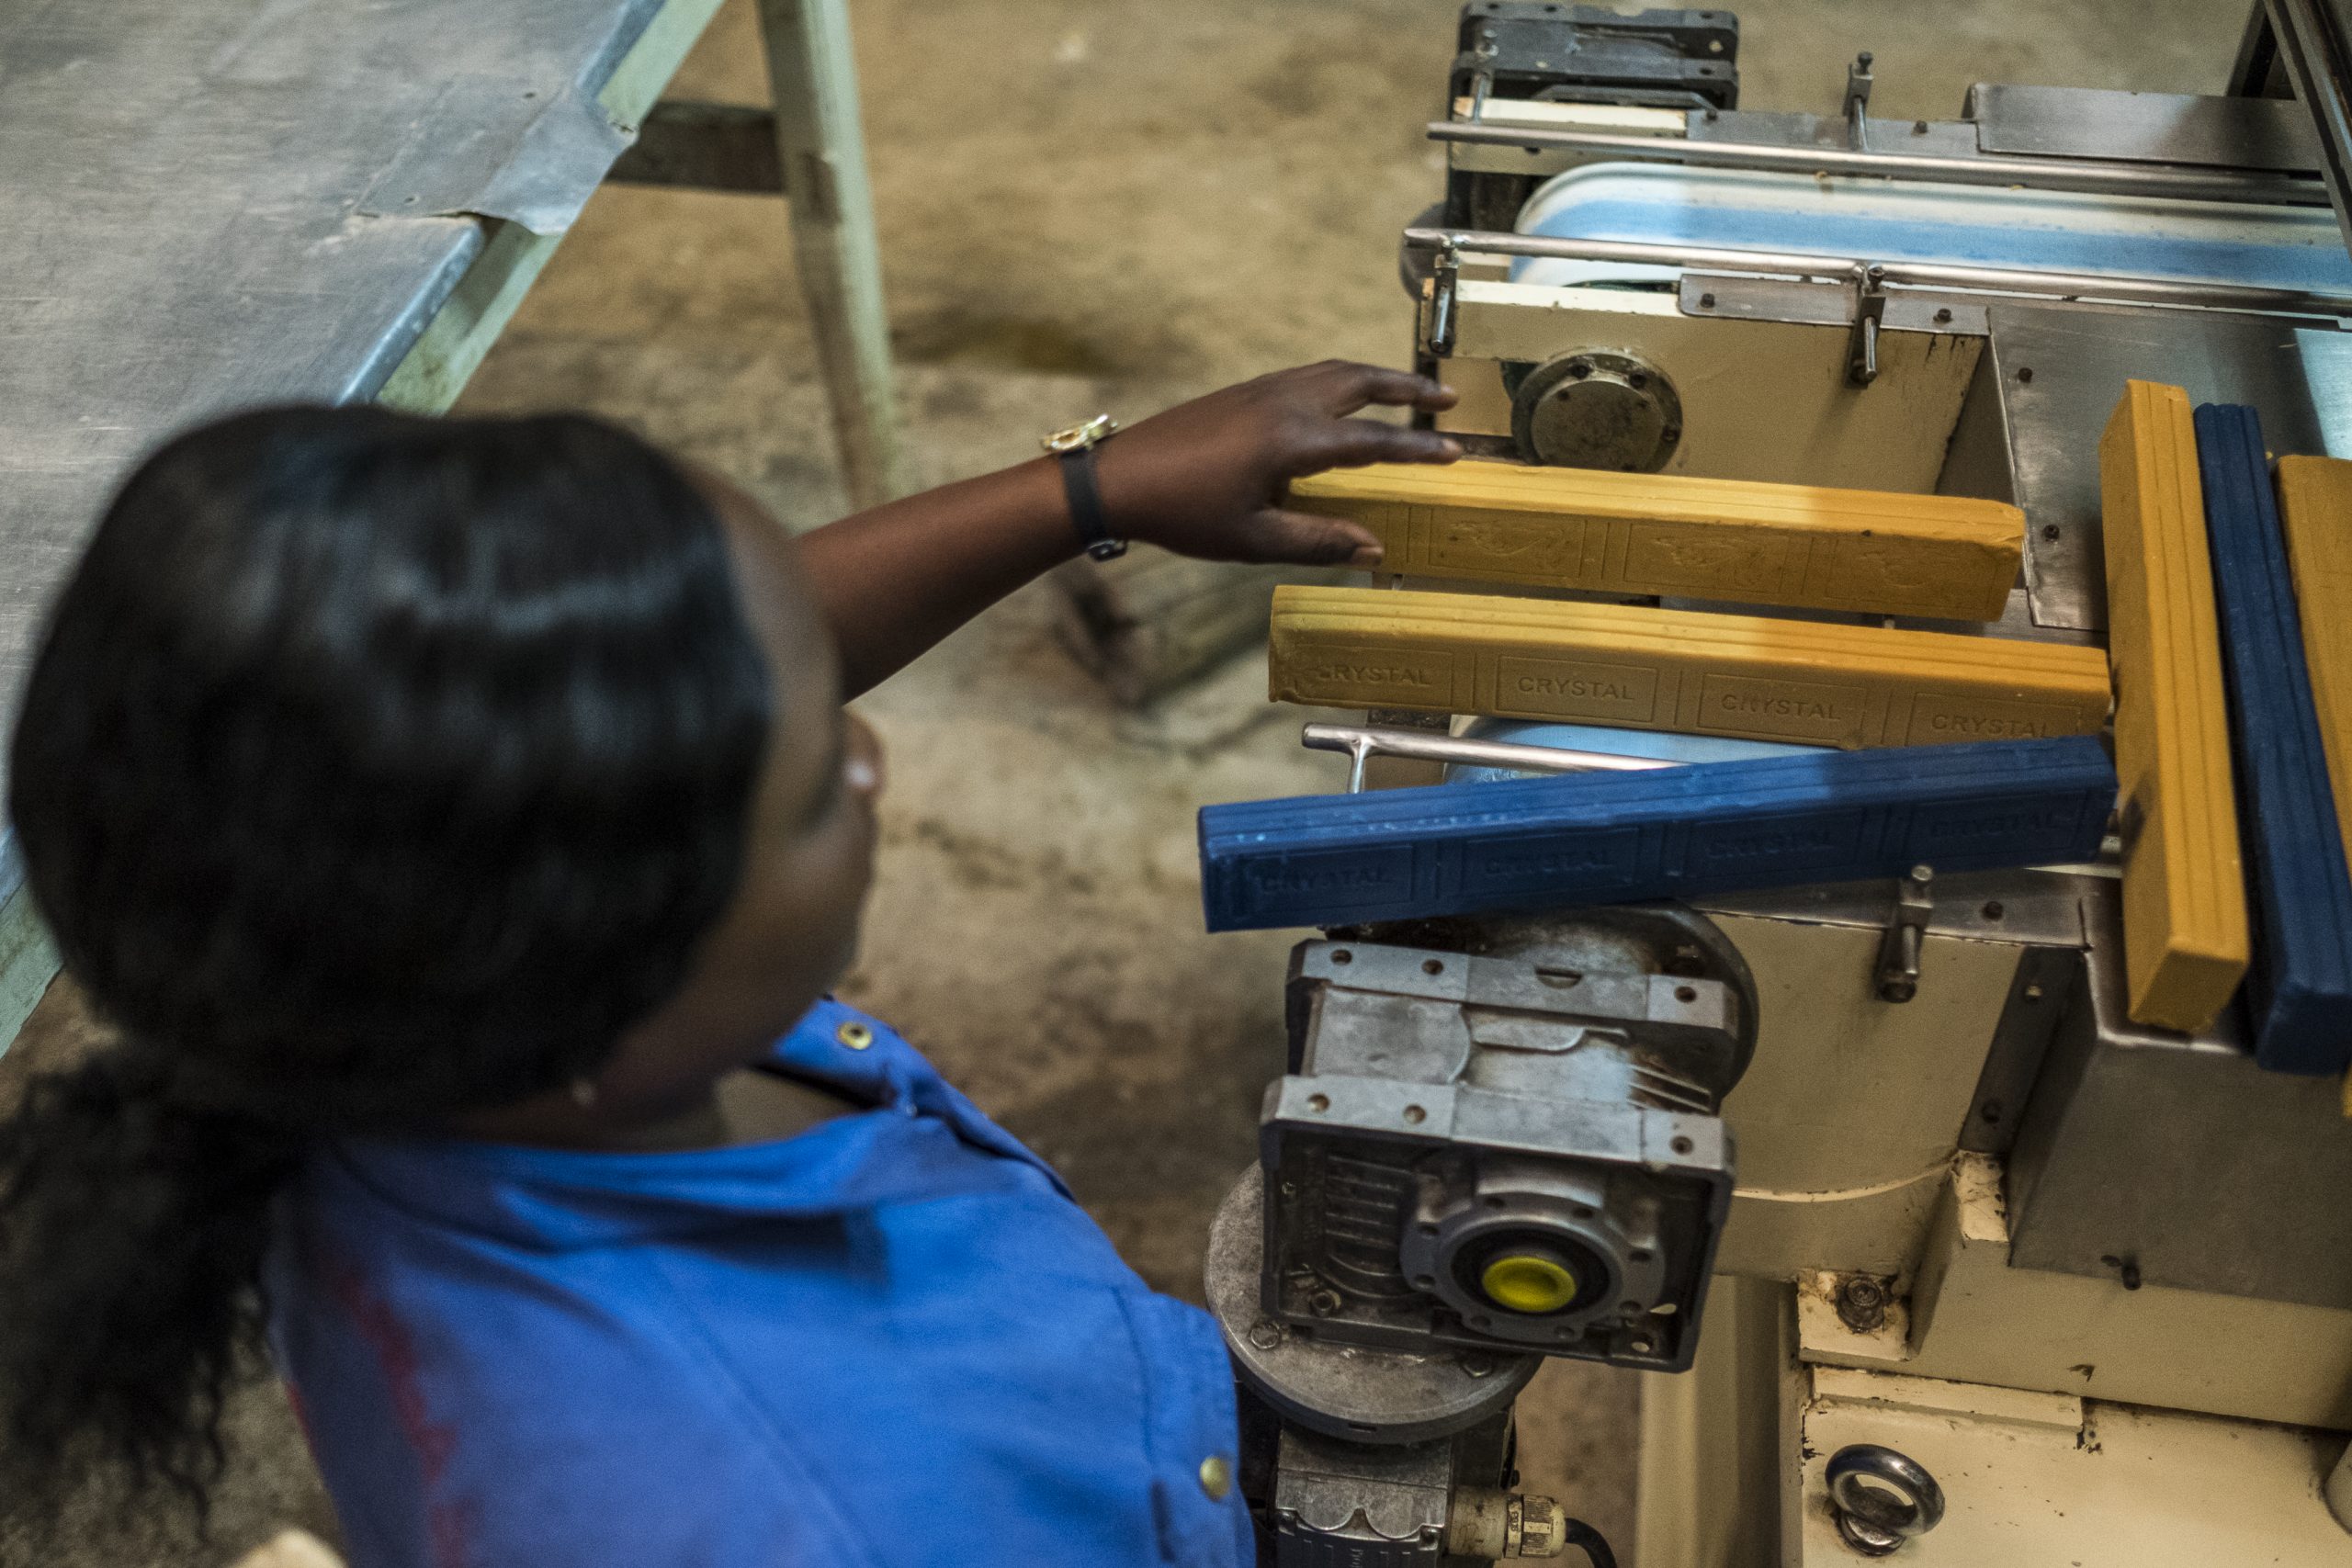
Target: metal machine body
pixel 1521 1100
pixel 2089 1284
pixel 1497 1140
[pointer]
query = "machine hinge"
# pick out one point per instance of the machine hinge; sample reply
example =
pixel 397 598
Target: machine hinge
pixel 1906 931
pixel 1870 315
pixel 1445 283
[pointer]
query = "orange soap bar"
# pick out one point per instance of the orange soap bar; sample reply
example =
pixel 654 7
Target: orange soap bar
pixel 1948 557
pixel 2185 940
pixel 1697 672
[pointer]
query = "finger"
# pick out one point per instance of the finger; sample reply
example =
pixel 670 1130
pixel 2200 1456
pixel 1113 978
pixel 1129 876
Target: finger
pixel 1354 442
pixel 1349 387
pixel 1301 540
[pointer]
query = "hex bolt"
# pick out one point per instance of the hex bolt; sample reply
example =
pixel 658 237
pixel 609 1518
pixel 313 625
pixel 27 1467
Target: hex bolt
pixel 1265 1334
pixel 1862 1304
pixel 1323 1302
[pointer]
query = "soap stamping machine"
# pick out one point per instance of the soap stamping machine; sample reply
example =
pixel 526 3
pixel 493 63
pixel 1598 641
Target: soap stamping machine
pixel 1957 1214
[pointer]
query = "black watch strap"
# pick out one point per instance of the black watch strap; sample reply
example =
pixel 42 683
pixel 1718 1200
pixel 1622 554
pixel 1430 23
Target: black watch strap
pixel 1085 495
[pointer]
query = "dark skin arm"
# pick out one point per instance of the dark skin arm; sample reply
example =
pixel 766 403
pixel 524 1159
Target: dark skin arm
pixel 1204 479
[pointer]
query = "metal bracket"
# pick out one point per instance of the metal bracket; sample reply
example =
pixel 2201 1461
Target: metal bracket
pixel 1857 108
pixel 1906 928
pixel 1870 316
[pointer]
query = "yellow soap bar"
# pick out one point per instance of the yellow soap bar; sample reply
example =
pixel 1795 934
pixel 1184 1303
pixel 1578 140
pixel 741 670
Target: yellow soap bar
pixel 1702 674
pixel 2315 503
pixel 1950 557
pixel 2184 934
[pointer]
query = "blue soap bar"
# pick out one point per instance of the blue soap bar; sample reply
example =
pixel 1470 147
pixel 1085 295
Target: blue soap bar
pixel 1669 833
pixel 2298 893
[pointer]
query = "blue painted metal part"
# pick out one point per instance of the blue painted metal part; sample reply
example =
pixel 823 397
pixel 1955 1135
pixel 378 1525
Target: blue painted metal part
pixel 2299 989
pixel 1671 833
pixel 1907 220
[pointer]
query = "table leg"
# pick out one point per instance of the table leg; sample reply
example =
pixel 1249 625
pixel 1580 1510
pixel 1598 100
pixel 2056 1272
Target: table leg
pixel 821 142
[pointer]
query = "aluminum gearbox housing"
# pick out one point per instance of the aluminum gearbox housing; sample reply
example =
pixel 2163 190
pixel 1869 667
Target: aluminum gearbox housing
pixel 1503 1136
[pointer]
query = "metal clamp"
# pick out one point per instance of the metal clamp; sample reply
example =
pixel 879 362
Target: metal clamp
pixel 1870 316
pixel 1907 930
pixel 1882 1497
pixel 1857 108
pixel 1361 744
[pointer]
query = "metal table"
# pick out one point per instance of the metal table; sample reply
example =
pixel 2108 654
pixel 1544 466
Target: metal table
pixel 220 203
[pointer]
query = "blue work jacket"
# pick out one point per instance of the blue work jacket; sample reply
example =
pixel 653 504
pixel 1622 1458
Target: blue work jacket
pixel 892 1339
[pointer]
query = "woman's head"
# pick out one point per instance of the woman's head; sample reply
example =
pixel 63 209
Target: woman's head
pixel 377 771
pixel 377 768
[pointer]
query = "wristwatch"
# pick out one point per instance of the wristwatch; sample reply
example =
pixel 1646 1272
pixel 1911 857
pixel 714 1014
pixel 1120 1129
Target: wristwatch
pixel 1075 448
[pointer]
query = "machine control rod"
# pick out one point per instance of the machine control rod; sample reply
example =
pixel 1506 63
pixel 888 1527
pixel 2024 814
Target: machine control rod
pixel 1362 744
pixel 2170 293
pixel 2085 175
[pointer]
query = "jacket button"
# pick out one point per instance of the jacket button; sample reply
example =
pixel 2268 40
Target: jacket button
pixel 855 1035
pixel 1216 1477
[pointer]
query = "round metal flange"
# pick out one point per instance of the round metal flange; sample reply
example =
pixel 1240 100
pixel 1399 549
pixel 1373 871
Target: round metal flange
pixel 1883 1498
pixel 1597 409
pixel 1343 1390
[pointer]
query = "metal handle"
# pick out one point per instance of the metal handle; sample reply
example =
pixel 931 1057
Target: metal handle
pixel 1882 1497
pixel 1361 744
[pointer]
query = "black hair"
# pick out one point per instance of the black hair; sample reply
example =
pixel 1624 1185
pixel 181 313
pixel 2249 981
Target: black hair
pixel 372 769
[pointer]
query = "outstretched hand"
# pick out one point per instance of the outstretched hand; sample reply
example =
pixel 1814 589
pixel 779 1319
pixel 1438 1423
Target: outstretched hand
pixel 1208 478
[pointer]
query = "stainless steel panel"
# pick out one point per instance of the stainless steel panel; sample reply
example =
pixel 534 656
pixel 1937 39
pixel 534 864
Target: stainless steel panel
pixel 1936 138
pixel 2151 128
pixel 2043 908
pixel 2311 36
pixel 2060 369
pixel 2038 997
pixel 215 205
pixel 2170 1160
pixel 1730 296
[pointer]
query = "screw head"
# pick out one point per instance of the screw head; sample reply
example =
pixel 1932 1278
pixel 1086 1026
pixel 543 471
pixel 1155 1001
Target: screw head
pixel 1707 301
pixel 1265 1334
pixel 1323 1302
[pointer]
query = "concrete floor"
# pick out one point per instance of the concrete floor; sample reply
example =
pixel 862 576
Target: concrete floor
pixel 1091 204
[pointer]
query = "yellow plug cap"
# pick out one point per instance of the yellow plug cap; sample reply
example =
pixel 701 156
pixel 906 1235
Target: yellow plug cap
pixel 1526 1282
